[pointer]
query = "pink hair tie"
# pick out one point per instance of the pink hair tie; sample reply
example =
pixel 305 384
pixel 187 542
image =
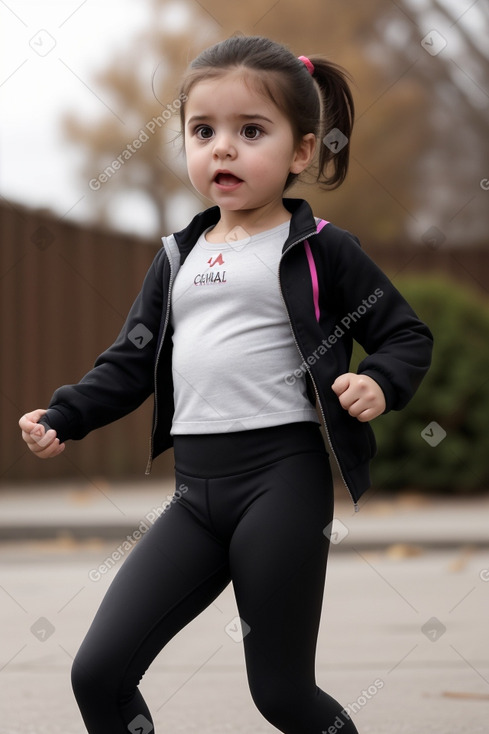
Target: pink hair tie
pixel 308 64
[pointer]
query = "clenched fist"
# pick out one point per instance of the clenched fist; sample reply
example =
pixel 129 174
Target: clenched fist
pixel 41 443
pixel 360 395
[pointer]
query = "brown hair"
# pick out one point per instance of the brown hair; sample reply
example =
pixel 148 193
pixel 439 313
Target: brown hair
pixel 318 103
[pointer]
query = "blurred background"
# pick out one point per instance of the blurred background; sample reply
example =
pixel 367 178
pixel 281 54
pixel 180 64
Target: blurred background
pixel 91 177
pixel 84 85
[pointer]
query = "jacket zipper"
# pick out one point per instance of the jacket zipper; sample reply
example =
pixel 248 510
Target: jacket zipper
pixel 165 326
pixel 310 373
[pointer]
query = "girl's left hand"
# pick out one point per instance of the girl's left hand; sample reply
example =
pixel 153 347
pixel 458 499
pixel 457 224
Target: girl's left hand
pixel 360 395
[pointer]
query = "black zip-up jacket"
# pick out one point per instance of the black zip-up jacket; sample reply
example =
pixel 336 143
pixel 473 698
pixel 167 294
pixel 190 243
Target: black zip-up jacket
pixel 356 300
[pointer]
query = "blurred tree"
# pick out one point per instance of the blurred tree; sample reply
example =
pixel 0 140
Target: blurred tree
pixel 453 67
pixel 421 129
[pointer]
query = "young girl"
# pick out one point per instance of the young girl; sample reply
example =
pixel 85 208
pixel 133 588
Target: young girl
pixel 244 327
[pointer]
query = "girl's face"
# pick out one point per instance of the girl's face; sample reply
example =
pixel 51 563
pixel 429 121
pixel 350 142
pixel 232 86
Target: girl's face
pixel 239 146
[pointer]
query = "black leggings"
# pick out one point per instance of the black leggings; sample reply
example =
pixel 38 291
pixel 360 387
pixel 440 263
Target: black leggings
pixel 251 509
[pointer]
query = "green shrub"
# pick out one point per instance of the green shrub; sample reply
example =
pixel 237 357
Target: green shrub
pixel 454 394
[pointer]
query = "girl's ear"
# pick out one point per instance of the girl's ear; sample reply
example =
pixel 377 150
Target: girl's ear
pixel 304 153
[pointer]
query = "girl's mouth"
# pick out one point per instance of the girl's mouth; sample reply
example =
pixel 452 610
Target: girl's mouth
pixel 227 180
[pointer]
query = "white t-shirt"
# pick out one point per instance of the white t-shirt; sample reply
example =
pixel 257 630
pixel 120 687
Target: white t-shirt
pixel 232 341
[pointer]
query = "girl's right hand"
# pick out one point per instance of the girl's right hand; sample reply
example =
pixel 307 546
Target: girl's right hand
pixel 41 443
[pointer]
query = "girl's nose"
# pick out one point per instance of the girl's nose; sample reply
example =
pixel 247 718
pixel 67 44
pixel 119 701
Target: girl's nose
pixel 224 147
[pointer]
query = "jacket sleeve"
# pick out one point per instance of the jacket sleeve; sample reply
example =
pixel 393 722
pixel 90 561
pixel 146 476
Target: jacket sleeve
pixel 122 376
pixel 399 345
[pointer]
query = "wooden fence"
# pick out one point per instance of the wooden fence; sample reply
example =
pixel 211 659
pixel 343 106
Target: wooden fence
pixel 64 292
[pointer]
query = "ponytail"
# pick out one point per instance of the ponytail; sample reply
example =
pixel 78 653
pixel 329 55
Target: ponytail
pixel 337 116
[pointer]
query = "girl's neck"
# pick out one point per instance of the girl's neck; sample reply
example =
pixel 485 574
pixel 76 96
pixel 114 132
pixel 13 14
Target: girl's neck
pixel 245 223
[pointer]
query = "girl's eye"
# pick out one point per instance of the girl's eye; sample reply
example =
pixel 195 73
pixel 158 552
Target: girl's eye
pixel 204 132
pixel 252 132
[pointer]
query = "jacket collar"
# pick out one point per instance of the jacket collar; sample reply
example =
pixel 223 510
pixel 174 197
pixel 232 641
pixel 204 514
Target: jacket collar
pixel 302 225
